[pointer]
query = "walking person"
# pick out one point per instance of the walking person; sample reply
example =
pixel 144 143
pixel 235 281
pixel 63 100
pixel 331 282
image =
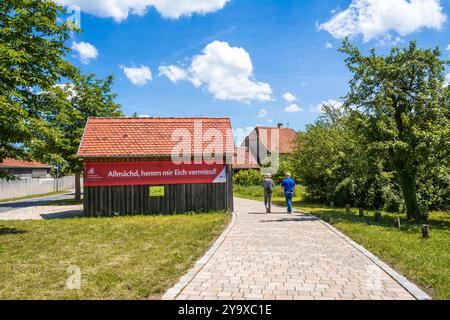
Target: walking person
pixel 288 185
pixel 268 185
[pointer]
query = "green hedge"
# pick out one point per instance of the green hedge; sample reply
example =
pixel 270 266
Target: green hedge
pixel 248 178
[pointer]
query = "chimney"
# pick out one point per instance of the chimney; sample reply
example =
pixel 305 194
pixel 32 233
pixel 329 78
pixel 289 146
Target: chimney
pixel 280 126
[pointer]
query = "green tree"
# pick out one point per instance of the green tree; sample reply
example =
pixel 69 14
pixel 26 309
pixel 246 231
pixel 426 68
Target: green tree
pixel 399 103
pixel 32 50
pixel 66 109
pixel 286 166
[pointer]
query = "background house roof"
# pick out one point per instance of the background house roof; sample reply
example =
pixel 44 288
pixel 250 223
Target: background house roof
pixel 287 138
pixel 244 159
pixel 148 137
pixel 13 163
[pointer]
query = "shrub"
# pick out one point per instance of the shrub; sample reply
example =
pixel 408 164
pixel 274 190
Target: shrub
pixel 248 178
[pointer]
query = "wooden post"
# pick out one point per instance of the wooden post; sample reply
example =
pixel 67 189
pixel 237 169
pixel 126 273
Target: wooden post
pixel 347 208
pixel 397 222
pixel 332 204
pixel 425 231
pixel 361 212
pixel 377 216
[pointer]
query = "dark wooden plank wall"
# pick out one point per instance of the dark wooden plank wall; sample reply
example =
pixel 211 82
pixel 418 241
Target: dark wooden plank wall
pixel 135 200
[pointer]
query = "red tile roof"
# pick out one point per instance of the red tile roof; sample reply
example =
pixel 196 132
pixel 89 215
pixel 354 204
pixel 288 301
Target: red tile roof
pixel 13 163
pixel 287 138
pixel 149 137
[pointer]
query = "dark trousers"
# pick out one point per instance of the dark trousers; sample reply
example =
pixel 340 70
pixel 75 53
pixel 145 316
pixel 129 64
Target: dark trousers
pixel 268 199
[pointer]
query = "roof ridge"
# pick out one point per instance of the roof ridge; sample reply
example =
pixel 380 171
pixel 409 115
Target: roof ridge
pixel 267 127
pixel 156 118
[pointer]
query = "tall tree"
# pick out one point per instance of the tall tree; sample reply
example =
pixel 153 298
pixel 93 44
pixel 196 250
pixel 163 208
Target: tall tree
pixel 32 54
pixel 66 109
pixel 400 104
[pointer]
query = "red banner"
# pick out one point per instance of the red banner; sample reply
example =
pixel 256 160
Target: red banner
pixel 98 174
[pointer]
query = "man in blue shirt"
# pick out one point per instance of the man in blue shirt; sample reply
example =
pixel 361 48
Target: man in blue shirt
pixel 288 185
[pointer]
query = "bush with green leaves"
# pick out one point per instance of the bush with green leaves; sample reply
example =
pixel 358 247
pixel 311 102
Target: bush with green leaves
pixel 248 178
pixel 286 166
pixel 334 166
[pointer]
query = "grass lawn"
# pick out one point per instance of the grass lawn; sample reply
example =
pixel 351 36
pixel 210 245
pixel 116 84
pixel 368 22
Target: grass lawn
pixel 425 262
pixel 120 258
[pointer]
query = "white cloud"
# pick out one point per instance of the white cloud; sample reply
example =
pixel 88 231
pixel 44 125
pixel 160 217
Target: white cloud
pixel 69 88
pixel 86 51
pixel 289 97
pixel 138 76
pixel 293 108
pixel 333 103
pixel 389 40
pixel 329 45
pixel 120 9
pixel 225 71
pixel 373 18
pixel 263 113
pixel 174 73
pixel 447 80
pixel 448 48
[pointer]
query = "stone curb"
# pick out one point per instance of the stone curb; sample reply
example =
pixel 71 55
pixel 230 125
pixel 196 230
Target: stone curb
pixel 173 292
pixel 414 290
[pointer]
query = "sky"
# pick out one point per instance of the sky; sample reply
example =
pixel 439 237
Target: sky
pixel 259 62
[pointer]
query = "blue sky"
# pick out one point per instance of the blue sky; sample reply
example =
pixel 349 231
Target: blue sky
pixel 291 45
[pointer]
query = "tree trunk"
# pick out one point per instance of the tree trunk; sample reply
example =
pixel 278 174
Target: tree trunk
pixel 77 186
pixel 407 182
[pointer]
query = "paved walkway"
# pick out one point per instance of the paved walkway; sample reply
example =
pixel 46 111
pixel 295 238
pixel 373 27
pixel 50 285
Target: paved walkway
pixel 33 202
pixel 36 209
pixel 280 256
pixel 43 213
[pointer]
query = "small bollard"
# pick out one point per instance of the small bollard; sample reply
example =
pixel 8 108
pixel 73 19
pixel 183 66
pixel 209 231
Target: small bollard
pixel 332 204
pixel 426 231
pixel 361 212
pixel 397 222
pixel 377 216
pixel 347 208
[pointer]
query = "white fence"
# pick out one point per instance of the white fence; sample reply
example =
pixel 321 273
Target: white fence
pixel 28 187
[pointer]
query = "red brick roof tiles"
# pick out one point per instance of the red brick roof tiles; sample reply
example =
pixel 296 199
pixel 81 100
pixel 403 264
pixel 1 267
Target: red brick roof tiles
pixel 151 137
pixel 13 163
pixel 287 138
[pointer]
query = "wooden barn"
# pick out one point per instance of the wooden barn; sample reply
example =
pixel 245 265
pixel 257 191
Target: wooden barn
pixel 136 166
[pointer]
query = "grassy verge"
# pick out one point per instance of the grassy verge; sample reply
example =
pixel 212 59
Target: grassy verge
pixel 33 196
pixel 119 258
pixel 426 262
